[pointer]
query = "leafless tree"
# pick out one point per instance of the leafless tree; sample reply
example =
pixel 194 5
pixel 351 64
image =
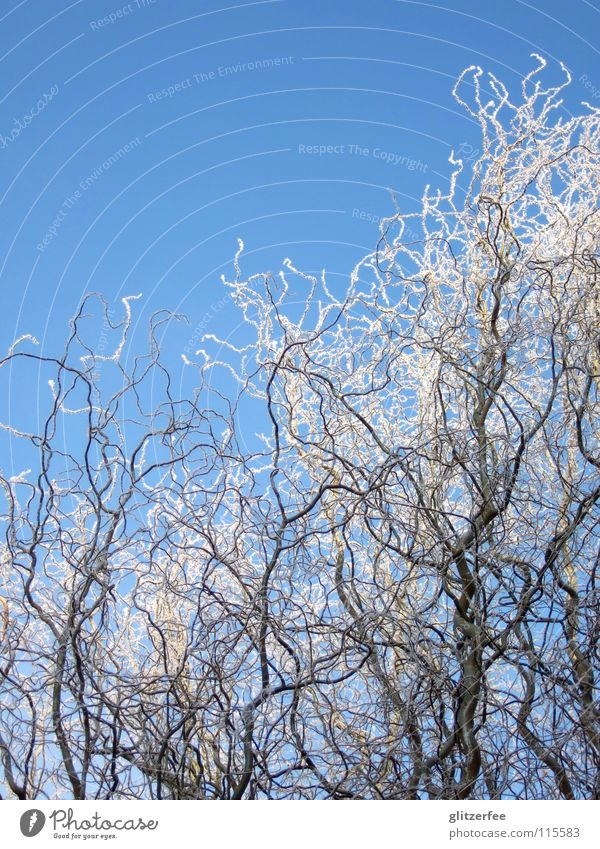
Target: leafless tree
pixel 384 587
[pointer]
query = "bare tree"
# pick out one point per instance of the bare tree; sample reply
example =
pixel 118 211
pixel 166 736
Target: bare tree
pixel 386 587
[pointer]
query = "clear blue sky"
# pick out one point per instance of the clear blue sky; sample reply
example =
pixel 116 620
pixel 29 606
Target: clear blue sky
pixel 138 140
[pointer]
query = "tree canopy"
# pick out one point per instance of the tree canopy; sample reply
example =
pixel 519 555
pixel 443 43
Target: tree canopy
pixel 360 559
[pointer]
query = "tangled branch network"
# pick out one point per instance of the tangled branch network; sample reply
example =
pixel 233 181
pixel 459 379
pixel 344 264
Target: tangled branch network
pixel 390 591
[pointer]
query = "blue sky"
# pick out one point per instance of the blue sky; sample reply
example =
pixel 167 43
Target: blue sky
pixel 139 140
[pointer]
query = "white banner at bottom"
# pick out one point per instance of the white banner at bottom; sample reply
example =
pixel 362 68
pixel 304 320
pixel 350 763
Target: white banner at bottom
pixel 322 824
